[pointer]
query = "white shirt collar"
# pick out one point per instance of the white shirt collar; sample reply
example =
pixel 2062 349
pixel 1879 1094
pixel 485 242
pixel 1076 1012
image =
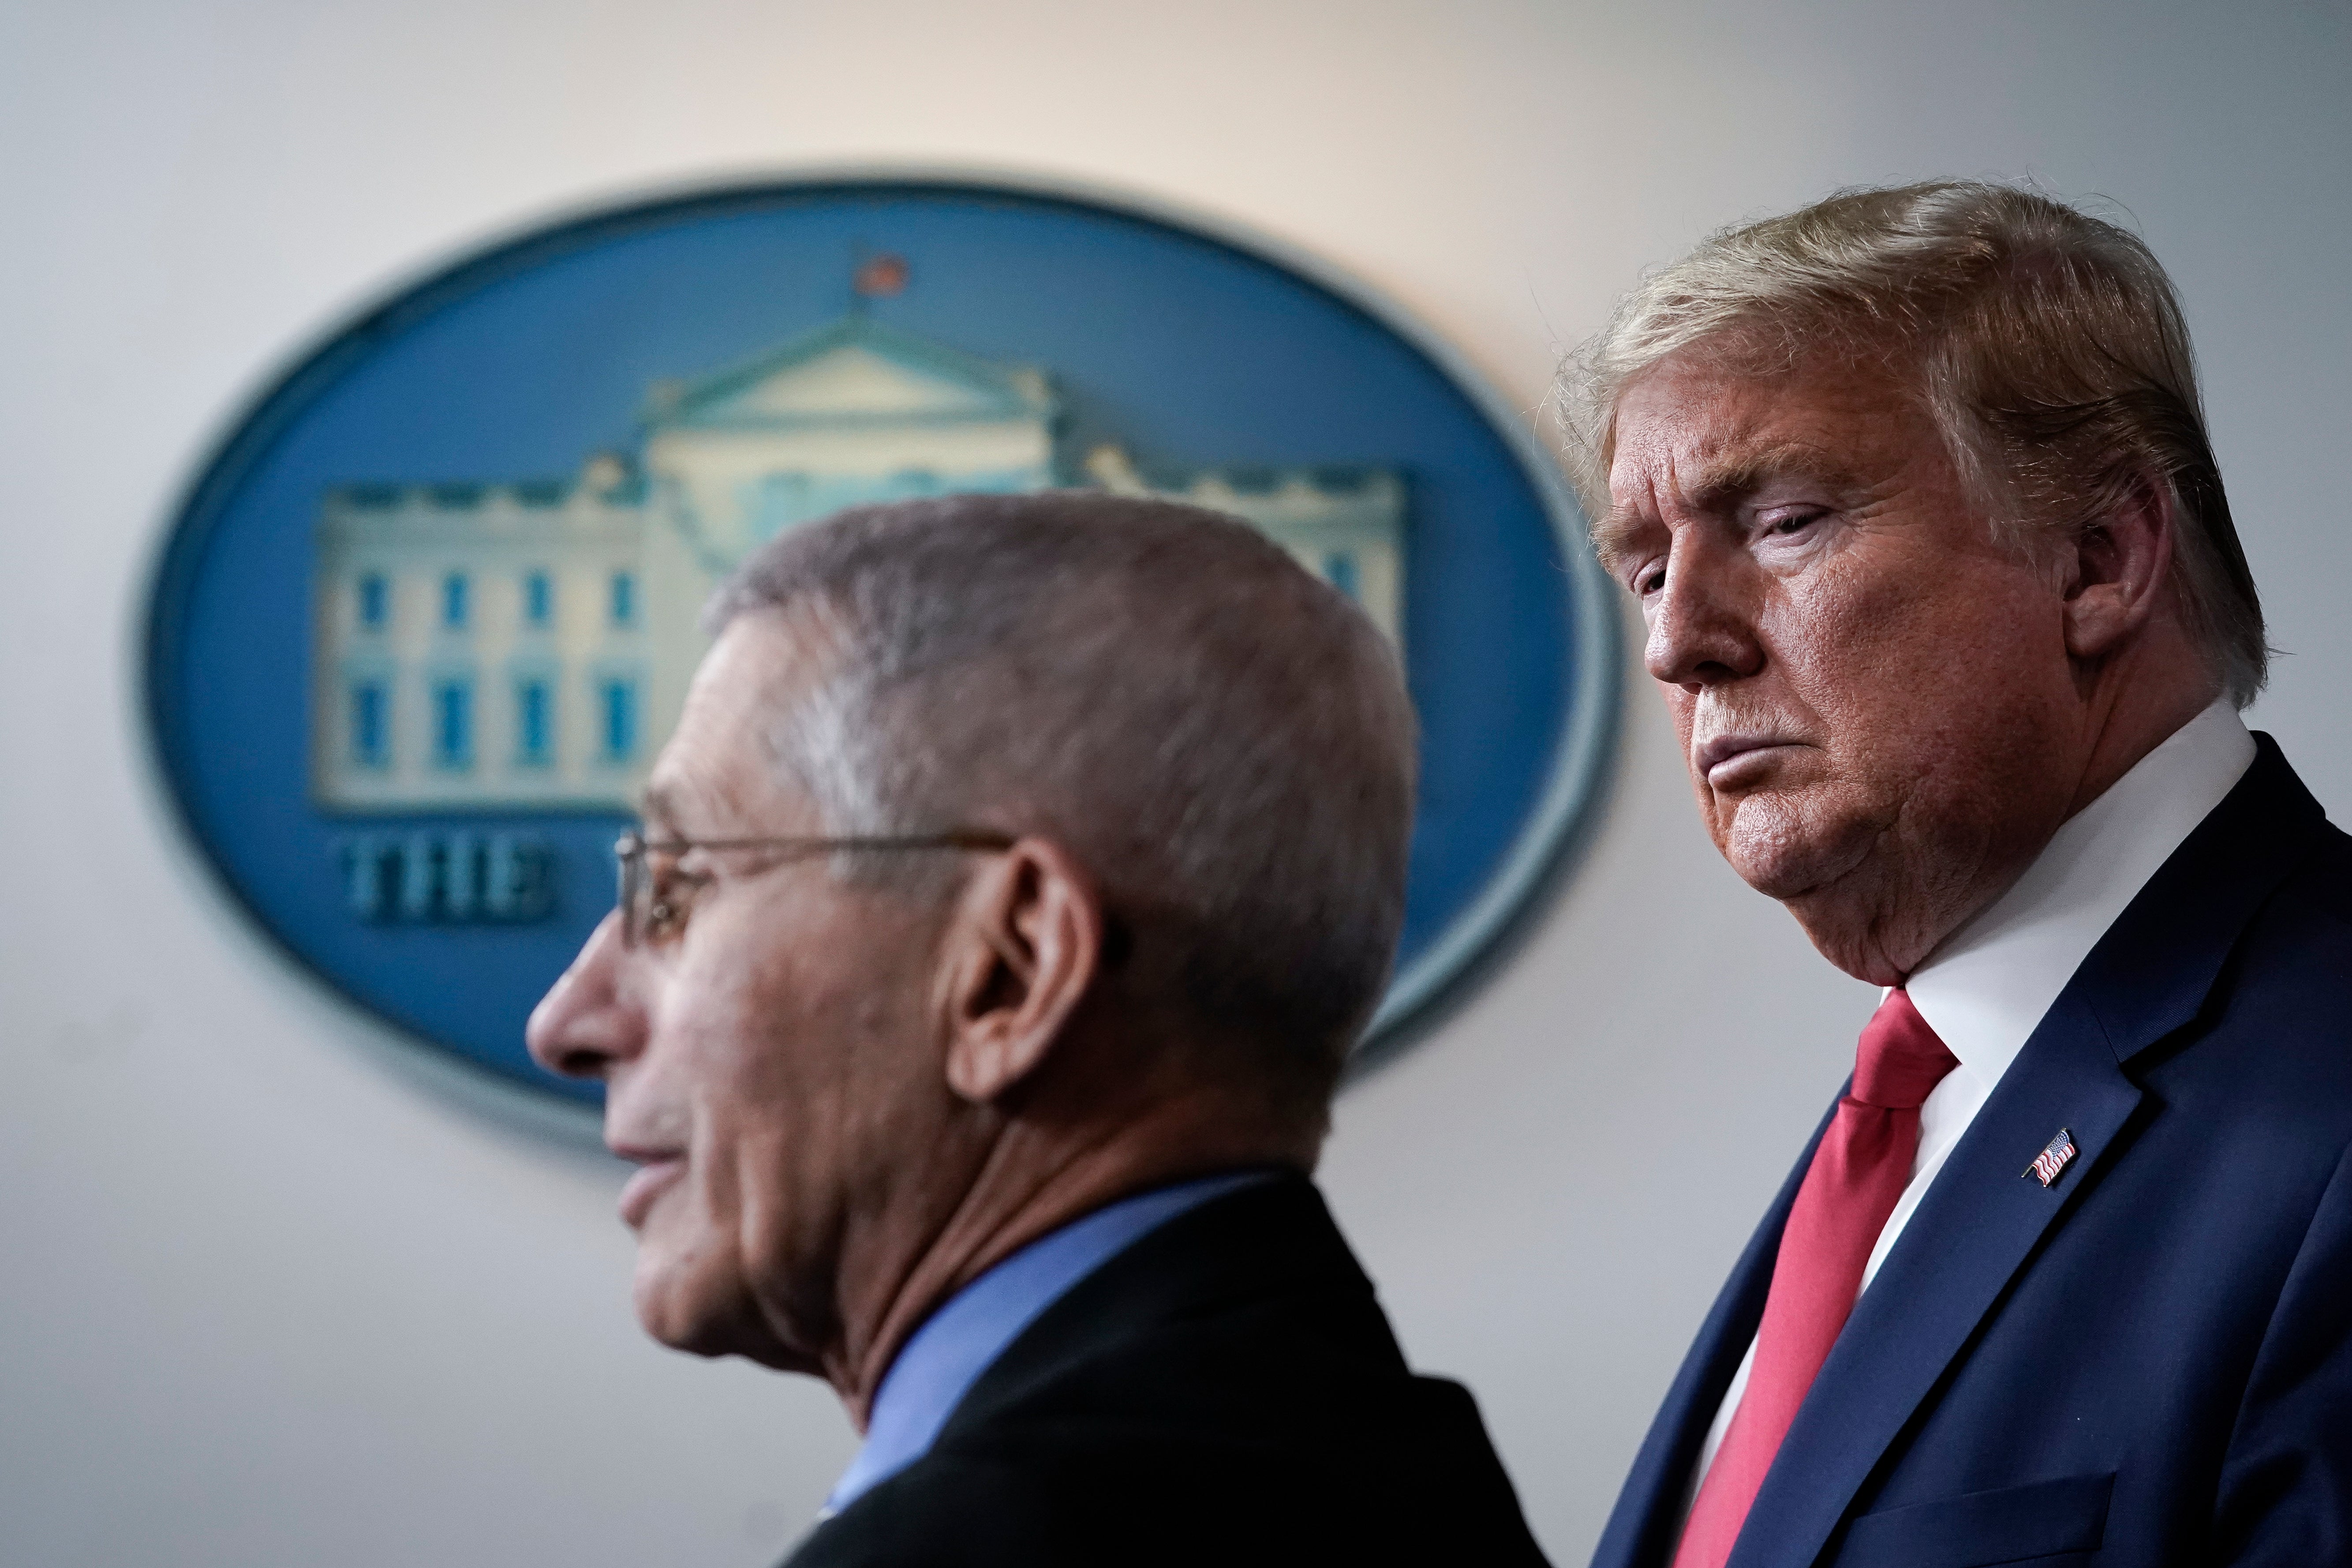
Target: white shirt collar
pixel 1984 991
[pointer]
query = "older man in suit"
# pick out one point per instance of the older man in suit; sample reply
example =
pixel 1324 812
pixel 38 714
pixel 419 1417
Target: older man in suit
pixel 1008 898
pixel 1943 593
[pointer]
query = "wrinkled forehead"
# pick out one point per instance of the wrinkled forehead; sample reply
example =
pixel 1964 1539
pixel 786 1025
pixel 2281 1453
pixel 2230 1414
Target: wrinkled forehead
pixel 1684 412
pixel 1705 429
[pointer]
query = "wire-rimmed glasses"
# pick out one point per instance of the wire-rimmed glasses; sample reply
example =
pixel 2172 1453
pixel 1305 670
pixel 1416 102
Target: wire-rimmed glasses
pixel 655 895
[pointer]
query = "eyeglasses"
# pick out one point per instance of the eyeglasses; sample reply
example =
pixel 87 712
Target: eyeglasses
pixel 657 895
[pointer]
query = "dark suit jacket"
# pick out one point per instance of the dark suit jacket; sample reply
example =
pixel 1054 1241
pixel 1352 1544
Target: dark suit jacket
pixel 2150 1361
pixel 1225 1390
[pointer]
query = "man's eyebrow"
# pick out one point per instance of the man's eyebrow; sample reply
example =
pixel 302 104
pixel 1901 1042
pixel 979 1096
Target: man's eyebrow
pixel 1612 537
pixel 1732 479
pixel 658 806
pixel 1722 482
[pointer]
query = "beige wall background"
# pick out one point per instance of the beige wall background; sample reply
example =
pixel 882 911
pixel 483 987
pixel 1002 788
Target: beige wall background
pixel 273 1293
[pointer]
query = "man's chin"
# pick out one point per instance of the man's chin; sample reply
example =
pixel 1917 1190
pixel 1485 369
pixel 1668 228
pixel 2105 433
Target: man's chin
pixel 1778 854
pixel 701 1319
pixel 675 1314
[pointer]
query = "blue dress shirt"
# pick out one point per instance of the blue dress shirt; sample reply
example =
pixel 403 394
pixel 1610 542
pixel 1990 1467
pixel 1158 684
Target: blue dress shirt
pixel 945 1357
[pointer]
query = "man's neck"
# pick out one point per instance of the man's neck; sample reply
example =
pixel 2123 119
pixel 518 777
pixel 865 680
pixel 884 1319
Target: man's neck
pixel 2119 731
pixel 1033 1180
pixel 1987 986
pixel 2141 718
pixel 2128 711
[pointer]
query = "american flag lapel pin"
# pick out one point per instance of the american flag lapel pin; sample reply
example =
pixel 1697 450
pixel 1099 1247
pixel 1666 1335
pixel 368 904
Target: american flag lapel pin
pixel 2053 1159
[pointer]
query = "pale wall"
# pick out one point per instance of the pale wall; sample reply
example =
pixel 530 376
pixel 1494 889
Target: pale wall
pixel 267 1298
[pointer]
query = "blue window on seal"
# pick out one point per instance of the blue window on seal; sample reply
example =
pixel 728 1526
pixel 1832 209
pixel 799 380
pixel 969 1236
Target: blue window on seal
pixel 533 729
pixel 454 596
pixel 619 721
pixel 371 724
pixel 453 724
pixel 538 599
pixel 624 598
pixel 376 601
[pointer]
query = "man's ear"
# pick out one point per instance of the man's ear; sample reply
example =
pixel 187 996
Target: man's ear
pixel 1025 944
pixel 2119 571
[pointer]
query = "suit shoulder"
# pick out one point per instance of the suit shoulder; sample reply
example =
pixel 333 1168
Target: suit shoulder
pixel 1042 1488
pixel 1227 1390
pixel 2268 1063
pixel 2320 885
pixel 2293 961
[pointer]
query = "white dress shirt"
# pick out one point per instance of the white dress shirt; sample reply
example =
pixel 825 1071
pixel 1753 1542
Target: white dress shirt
pixel 1985 989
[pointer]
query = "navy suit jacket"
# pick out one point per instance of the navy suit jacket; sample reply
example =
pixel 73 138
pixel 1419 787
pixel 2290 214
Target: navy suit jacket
pixel 2148 1363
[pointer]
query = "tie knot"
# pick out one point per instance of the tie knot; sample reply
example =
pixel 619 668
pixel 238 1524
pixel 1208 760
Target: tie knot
pixel 1900 1059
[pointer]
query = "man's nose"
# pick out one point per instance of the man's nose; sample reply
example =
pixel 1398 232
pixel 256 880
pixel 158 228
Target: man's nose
pixel 590 1021
pixel 1702 628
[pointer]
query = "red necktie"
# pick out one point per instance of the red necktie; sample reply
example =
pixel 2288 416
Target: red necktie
pixel 1859 1170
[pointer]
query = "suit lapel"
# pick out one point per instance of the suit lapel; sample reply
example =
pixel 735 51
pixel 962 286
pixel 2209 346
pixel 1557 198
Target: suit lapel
pixel 1981 1221
pixel 1644 1527
pixel 1929 1297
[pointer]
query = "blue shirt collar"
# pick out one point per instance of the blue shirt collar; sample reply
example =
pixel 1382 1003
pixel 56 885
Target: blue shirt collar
pixel 942 1361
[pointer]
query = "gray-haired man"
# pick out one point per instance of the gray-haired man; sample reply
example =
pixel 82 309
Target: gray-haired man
pixel 1007 898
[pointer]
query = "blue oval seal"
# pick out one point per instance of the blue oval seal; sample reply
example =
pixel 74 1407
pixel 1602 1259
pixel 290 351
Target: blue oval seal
pixel 427 612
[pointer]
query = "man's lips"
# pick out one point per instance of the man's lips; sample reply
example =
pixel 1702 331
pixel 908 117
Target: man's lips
pixel 658 1171
pixel 1726 760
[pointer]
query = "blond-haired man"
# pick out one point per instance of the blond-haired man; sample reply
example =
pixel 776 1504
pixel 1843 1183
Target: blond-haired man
pixel 1943 597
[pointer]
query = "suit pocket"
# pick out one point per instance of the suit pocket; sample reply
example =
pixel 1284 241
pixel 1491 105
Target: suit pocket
pixel 2046 1524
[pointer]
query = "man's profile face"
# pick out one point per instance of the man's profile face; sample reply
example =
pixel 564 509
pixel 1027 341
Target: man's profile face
pixel 1872 695
pixel 762 1060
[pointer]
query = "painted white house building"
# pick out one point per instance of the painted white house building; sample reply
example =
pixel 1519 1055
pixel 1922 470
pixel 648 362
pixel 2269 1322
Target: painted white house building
pixel 529 644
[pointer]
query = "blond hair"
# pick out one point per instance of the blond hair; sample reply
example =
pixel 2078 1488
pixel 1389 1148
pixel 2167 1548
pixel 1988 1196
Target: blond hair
pixel 2047 346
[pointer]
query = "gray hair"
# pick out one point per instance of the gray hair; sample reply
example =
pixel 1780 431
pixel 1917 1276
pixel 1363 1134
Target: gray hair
pixel 1220 737
pixel 2049 347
